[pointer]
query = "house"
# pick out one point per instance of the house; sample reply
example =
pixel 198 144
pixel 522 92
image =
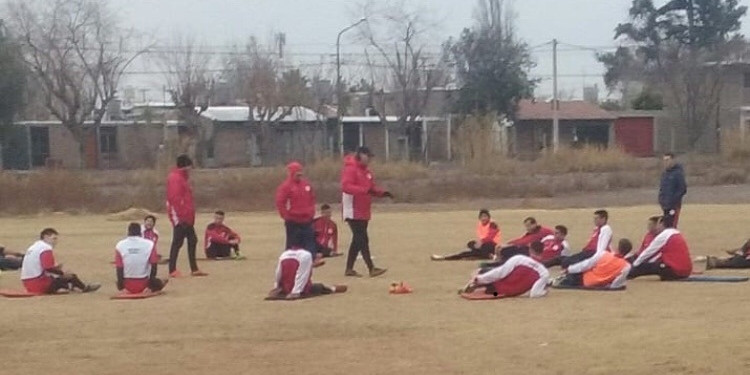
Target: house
pixel 580 123
pixel 424 139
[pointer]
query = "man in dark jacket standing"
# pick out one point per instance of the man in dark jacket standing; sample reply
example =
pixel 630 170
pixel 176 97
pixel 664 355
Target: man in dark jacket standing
pixel 295 201
pixel 673 188
pixel 181 211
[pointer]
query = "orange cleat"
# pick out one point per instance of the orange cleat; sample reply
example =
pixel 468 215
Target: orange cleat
pixel 399 288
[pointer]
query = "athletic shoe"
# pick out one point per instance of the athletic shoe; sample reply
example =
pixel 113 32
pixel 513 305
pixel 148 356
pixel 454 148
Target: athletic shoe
pixel 375 272
pixel 90 288
pixel 711 262
pixel 340 288
pixel 175 274
pixel 198 273
pixel 352 273
pixel 335 254
pixel 437 257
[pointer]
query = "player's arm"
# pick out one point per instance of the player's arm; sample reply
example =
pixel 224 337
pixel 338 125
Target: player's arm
pixel 120 271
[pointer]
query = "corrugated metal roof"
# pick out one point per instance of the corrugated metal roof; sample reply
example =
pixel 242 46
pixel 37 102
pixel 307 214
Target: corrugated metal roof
pixel 568 110
pixel 241 114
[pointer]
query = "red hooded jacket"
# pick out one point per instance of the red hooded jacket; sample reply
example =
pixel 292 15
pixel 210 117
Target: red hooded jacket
pixel 357 186
pixel 219 234
pixel 295 199
pixel 180 205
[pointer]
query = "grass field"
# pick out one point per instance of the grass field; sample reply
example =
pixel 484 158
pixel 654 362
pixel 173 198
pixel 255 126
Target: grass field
pixel 221 325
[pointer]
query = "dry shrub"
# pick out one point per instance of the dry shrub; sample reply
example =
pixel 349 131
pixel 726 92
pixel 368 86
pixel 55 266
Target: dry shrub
pixel 734 148
pixel 585 159
pixel 51 191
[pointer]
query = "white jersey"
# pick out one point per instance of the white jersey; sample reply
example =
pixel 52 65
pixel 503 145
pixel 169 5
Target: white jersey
pixel 539 288
pixel 302 277
pixel 136 254
pixel 31 267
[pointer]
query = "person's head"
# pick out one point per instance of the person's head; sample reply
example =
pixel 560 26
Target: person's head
pixel 484 216
pixel 149 221
pixel 219 217
pixel 561 231
pixel 530 224
pixel 184 162
pixel 668 160
pixel 295 170
pixel 134 230
pixel 662 224
pixel 653 221
pixel 364 155
pixel 49 235
pixel 536 248
pixel 325 210
pixel 601 217
pixel 624 246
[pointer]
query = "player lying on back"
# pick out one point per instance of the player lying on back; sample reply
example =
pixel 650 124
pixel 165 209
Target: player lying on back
pixel 517 276
pixel 294 277
pixel 136 263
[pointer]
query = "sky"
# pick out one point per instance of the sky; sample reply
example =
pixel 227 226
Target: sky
pixel 311 27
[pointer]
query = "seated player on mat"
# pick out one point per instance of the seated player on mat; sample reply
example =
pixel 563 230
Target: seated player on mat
pixel 738 259
pixel 667 256
pixel 40 274
pixel 136 262
pixel 488 237
pixel 517 276
pixel 604 270
pixel 220 240
pixel 294 277
pixel 600 240
pixel 534 233
pixel 651 232
pixel 554 246
pixel 10 260
pixel 326 233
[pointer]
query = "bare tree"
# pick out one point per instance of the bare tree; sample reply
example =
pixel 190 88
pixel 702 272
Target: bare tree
pixel 190 86
pixel 398 36
pixel 78 53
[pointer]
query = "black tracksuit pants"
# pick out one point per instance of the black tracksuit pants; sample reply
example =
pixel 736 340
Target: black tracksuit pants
pixel 180 233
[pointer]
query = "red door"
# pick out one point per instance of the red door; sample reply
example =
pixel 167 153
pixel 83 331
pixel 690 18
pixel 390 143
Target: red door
pixel 635 135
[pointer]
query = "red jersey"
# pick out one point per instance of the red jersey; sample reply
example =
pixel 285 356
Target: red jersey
pixel 600 239
pixel 180 205
pixel 326 233
pixel 150 234
pixel 295 199
pixel 530 237
pixel 357 186
pixel 670 248
pixel 219 234
pixel 647 239
pixel 553 248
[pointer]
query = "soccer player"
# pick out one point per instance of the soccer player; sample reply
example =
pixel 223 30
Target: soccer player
pixel 604 270
pixel 295 201
pixel 667 256
pixel 517 276
pixel 554 246
pixel 10 260
pixel 149 232
pixel 294 277
pixel 220 240
pixel 483 247
pixel 326 233
pixel 651 233
pixel 738 259
pixel 136 263
pixel 600 240
pixel 534 233
pixel 40 274
pixel 357 189
pixel 181 211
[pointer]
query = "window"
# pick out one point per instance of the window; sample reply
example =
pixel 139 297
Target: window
pixel 39 146
pixel 746 78
pixel 108 140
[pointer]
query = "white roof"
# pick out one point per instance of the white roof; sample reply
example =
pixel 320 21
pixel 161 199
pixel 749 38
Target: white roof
pixel 241 114
pixel 367 119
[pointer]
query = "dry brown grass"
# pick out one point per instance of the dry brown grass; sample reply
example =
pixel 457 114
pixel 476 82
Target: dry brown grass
pixel 220 325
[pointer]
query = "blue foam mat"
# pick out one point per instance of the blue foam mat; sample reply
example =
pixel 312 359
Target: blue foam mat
pixel 589 289
pixel 715 279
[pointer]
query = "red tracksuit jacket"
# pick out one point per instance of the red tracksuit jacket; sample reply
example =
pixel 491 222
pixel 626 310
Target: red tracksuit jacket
pixel 295 200
pixel 357 186
pixel 326 233
pixel 219 234
pixel 530 237
pixel 180 205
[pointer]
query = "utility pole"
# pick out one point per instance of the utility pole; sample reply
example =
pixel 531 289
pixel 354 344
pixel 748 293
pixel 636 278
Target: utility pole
pixel 555 102
pixel 339 109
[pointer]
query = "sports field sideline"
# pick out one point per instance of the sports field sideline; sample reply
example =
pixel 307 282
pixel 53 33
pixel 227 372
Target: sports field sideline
pixel 221 325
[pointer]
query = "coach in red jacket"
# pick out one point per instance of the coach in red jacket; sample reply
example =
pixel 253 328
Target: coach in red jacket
pixel 295 201
pixel 181 211
pixel 358 187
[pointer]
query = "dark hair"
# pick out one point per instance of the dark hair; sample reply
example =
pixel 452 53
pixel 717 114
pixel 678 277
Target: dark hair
pixel 47 232
pixel 536 247
pixel 484 211
pixel 152 217
pixel 669 155
pixel 562 229
pixel 325 206
pixel 624 246
pixel 667 221
pixel 654 219
pixel 529 220
pixel 602 214
pixel 220 213
pixel 134 229
pixel 184 161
